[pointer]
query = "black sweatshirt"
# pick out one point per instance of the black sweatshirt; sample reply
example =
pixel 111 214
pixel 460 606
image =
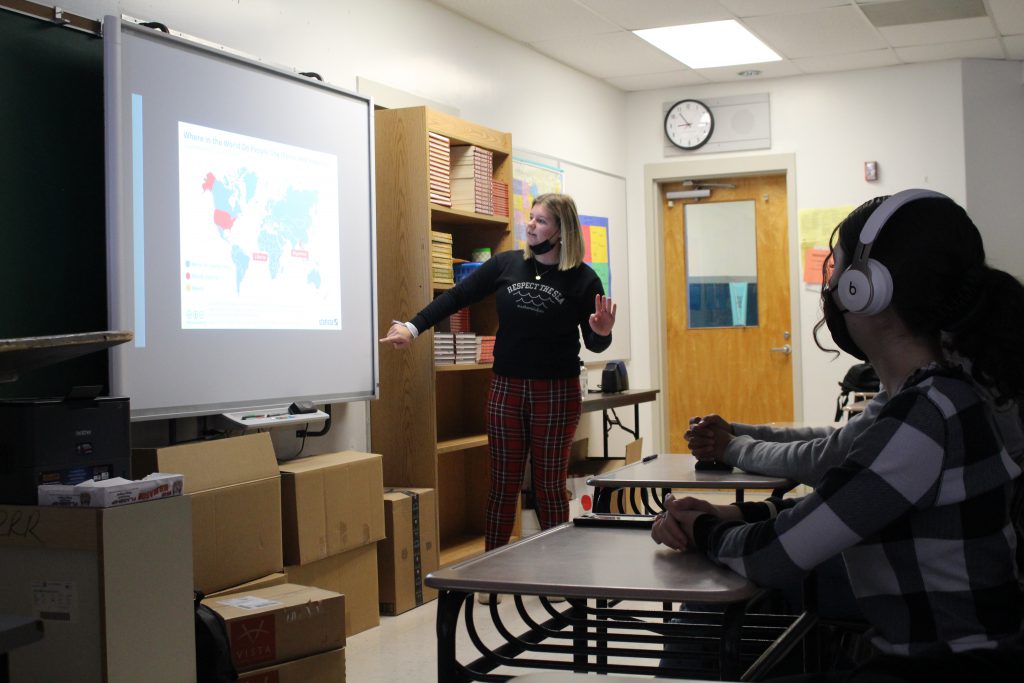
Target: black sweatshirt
pixel 537 319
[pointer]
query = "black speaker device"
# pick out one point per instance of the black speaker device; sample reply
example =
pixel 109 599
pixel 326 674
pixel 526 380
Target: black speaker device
pixel 613 377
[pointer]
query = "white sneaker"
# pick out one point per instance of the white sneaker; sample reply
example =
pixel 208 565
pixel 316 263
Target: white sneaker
pixel 485 598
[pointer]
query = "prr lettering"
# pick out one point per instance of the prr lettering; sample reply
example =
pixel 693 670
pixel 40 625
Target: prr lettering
pixel 19 524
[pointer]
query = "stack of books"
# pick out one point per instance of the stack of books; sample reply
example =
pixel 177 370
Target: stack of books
pixel 441 258
pixel 500 201
pixel 465 348
pixel 444 348
pixel 459 321
pixel 485 354
pixel 472 173
pixel 439 159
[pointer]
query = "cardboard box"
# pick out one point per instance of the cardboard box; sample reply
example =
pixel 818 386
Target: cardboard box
pixel 409 552
pixel 113 587
pixel 235 489
pixel 355 575
pixel 280 623
pixel 330 504
pixel 275 579
pixel 326 667
pixel 110 492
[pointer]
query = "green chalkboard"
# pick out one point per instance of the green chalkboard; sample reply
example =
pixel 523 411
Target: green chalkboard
pixel 52 253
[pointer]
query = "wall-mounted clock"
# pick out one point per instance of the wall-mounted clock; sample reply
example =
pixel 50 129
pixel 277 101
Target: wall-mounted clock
pixel 689 124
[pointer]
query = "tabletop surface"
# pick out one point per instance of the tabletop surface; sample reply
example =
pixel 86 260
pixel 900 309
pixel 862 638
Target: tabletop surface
pixel 595 562
pixel 592 402
pixel 677 470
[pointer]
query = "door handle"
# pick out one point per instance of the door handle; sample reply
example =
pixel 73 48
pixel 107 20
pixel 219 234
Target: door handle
pixel 785 348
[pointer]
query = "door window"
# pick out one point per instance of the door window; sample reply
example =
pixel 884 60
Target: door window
pixel 721 264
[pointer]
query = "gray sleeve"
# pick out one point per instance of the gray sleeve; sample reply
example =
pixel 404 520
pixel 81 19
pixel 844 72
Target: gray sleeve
pixel 761 450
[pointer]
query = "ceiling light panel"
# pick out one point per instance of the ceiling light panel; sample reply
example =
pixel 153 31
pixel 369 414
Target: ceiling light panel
pixel 710 44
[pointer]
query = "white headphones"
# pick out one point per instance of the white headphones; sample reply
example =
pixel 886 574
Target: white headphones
pixel 865 286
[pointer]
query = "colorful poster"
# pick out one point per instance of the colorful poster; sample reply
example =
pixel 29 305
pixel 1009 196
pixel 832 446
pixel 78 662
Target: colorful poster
pixel 816 226
pixel 529 181
pixel 595 236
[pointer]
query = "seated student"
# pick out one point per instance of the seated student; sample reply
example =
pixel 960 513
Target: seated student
pixel 919 505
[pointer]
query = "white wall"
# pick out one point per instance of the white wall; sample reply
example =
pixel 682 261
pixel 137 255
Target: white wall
pixel 910 119
pixel 418 48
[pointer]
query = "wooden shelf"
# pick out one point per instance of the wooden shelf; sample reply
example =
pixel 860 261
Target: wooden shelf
pixel 464 547
pixel 461 548
pixel 456 217
pixel 461 444
pixel 419 401
pixel 462 368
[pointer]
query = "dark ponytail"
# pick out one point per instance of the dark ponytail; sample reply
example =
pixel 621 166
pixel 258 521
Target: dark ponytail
pixel 988 331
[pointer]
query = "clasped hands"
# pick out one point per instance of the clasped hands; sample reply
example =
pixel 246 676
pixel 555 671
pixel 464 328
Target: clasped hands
pixel 708 437
pixel 674 526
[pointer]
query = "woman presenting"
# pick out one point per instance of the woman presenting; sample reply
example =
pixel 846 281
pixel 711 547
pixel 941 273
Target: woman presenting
pixel 545 297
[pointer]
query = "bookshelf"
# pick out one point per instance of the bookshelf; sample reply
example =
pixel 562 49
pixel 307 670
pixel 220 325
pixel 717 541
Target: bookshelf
pixel 429 422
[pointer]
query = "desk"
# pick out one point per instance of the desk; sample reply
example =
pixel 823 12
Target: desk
pixel 609 402
pixel 676 470
pixel 591 566
pixel 15 632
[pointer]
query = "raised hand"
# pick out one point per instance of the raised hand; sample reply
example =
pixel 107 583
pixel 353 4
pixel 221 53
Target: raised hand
pixel 603 318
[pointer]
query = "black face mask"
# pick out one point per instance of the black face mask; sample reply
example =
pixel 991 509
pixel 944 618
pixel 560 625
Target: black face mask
pixel 836 324
pixel 543 248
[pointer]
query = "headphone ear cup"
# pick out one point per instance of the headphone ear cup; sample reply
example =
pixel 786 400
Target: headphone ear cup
pixel 854 290
pixel 881 287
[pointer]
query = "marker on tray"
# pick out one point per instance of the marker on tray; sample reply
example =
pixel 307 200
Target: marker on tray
pixel 648 458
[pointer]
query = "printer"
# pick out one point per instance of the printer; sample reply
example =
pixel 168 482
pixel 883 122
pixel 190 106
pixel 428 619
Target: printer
pixel 61 441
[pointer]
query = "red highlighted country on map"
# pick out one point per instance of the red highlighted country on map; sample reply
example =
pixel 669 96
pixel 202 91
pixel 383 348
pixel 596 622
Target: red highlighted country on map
pixel 224 213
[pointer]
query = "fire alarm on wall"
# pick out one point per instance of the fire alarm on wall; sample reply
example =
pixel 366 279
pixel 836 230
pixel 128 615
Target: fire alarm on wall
pixel 870 170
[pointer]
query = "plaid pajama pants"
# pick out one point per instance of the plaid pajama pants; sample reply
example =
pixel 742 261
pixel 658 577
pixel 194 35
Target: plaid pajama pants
pixel 536 417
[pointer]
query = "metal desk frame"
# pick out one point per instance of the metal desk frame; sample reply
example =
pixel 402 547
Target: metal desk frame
pixel 607 403
pixel 594 628
pixel 664 472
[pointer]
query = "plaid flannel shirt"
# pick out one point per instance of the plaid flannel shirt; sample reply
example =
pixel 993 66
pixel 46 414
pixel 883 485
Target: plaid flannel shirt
pixel 920 511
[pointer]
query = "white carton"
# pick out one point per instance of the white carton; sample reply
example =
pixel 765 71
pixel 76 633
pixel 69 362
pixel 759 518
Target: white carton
pixel 111 492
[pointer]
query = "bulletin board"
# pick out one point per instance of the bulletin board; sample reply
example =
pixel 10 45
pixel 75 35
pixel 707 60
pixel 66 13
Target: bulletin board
pixel 601 201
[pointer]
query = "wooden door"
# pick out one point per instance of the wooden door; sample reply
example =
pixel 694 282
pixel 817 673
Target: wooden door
pixel 742 372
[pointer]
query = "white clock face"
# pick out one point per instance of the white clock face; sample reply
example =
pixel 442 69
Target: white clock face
pixel 689 124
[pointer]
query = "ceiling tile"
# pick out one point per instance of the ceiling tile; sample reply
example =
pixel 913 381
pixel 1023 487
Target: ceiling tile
pixel 530 20
pixel 1008 15
pixel 938 32
pixel 608 54
pixel 836 30
pixel 723 74
pixel 756 8
pixel 968 49
pixel 848 62
pixel 633 15
pixel 669 79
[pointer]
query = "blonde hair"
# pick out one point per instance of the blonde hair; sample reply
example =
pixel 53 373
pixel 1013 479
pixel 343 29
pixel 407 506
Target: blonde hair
pixel 567 220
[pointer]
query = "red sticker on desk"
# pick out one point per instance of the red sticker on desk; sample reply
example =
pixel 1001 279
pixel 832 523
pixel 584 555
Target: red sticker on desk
pixel 586 502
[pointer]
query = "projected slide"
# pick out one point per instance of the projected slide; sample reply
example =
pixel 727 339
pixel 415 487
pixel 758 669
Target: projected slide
pixel 259 233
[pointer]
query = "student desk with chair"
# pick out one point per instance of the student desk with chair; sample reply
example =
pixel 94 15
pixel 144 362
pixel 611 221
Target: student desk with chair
pixel 596 568
pixel 666 471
